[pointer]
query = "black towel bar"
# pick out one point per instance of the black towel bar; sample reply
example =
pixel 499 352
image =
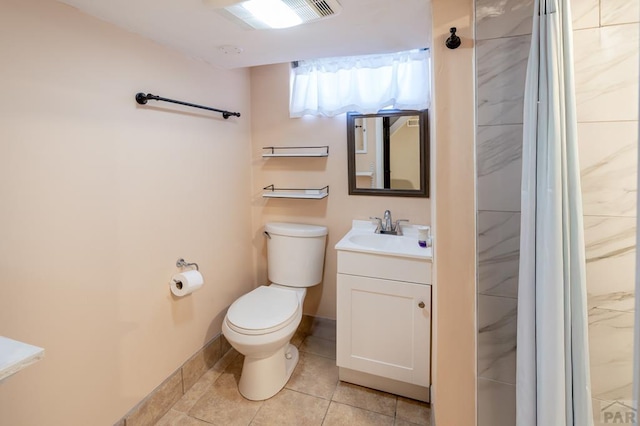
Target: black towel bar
pixel 142 99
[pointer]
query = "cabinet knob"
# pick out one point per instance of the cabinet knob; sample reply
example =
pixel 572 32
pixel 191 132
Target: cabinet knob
pixel 421 305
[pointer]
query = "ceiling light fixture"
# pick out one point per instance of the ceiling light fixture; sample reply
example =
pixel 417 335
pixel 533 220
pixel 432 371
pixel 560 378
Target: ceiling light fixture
pixel 265 14
pixel 272 13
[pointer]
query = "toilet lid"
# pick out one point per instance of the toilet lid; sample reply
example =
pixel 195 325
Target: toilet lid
pixel 263 310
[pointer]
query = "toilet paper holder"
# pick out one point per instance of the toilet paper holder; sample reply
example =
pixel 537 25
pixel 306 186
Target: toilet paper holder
pixel 181 263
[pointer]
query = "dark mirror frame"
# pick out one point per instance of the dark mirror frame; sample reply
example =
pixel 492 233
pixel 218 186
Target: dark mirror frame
pixel 424 156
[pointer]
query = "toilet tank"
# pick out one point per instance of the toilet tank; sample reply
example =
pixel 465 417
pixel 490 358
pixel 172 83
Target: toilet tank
pixel 295 253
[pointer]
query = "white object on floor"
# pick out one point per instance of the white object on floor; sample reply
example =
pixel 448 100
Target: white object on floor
pixel 14 356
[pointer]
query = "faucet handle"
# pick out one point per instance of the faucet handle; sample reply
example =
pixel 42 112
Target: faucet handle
pixel 379 224
pixel 397 227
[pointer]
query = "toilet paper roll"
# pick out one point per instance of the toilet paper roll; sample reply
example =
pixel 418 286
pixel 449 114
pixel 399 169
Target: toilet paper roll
pixel 186 283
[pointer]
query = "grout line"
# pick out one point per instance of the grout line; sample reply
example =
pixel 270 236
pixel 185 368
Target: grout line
pixel 365 409
pixel 495 295
pixel 498 211
pixel 371 411
pixel 395 408
pixel 497 381
pixel 324 418
pixel 182 379
pixel 505 37
pixel 258 410
pixel 305 393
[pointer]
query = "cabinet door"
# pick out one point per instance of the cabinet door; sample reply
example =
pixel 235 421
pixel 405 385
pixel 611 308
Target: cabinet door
pixel 384 328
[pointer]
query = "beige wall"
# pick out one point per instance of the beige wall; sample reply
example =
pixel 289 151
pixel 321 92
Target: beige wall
pixel 405 149
pixel 454 362
pixel 99 197
pixel 270 126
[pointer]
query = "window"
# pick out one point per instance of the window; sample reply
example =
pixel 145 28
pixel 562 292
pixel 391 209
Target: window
pixel 364 84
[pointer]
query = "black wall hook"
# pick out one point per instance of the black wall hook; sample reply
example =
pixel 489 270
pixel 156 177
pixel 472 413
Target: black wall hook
pixel 453 42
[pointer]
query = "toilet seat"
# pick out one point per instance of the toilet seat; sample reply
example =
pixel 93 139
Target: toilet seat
pixel 263 310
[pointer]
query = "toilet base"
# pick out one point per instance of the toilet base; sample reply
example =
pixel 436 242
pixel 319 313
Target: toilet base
pixel 262 378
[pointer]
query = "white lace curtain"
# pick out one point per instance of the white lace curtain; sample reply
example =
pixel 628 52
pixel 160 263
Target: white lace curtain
pixel 363 84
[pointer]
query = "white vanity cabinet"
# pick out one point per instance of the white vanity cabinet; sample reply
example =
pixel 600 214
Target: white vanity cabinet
pixel 384 322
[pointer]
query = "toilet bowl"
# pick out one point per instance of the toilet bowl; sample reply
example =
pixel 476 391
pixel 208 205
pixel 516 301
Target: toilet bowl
pixel 261 323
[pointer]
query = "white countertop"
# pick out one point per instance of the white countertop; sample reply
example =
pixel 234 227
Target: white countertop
pixel 409 238
pixel 14 356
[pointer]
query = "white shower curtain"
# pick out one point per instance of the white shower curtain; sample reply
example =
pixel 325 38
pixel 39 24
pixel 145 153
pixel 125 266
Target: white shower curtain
pixel 553 380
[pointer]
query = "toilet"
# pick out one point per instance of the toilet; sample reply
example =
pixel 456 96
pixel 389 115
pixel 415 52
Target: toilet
pixel 260 324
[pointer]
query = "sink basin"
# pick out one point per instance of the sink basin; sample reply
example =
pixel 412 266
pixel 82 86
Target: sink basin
pixel 365 240
pixel 383 242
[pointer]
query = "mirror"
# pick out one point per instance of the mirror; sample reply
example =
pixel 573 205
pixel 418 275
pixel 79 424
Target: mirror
pixel 388 153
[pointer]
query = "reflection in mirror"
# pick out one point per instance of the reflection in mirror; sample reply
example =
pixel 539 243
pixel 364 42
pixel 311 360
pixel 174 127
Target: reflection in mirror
pixel 388 153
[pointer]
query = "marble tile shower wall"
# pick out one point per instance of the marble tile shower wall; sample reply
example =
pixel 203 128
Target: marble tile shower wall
pixel 606 72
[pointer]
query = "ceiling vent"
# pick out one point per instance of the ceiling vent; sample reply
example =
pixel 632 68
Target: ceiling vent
pixel 310 10
pixel 301 11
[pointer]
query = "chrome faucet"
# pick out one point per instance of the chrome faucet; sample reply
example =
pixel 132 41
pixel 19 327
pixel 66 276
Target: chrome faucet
pixel 388 227
pixel 388 223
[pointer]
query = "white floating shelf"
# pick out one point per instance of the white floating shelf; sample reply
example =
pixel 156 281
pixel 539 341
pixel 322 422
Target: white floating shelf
pixel 295 151
pixel 294 155
pixel 14 356
pixel 309 194
pixel 367 174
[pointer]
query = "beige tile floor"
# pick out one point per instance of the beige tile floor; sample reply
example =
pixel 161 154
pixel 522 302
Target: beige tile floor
pixel 313 395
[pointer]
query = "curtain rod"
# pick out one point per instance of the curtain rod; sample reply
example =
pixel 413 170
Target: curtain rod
pixel 295 64
pixel 142 99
